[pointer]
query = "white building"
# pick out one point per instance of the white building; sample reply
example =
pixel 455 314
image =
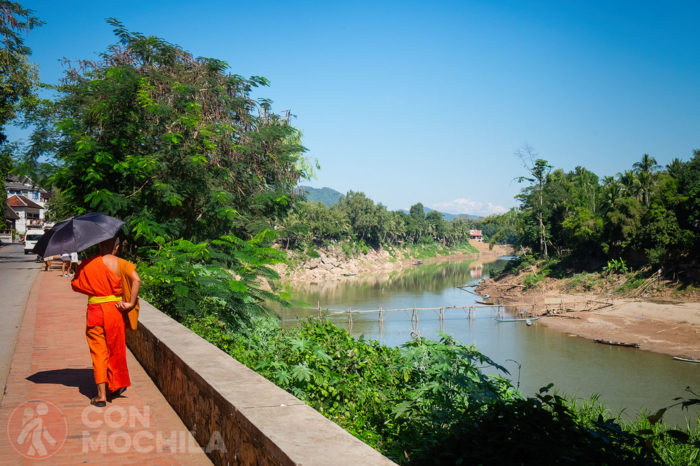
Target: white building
pixel 24 208
pixel 25 187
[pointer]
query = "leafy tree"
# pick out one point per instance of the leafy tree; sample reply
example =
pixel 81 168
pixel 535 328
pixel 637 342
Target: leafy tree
pixel 313 222
pixel 532 197
pixel 417 226
pixel 368 221
pixel 436 225
pixel 645 173
pixel 171 143
pixel 18 77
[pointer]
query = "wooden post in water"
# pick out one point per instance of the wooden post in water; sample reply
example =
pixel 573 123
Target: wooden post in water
pixel 319 309
pixel 381 316
pixel 350 319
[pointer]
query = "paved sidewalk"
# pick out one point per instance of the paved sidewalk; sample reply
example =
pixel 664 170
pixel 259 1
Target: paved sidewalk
pixel 17 273
pixel 45 415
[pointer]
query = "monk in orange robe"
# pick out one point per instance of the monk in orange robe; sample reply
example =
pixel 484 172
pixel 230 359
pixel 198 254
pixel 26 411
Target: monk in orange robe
pixel 105 278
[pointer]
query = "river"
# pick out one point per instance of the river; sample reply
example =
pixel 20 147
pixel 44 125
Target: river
pixel 626 379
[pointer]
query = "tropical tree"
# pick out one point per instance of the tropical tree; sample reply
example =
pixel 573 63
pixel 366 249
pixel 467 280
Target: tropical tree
pixel 367 220
pixel 532 197
pixel 18 77
pixel 173 144
pixel 645 169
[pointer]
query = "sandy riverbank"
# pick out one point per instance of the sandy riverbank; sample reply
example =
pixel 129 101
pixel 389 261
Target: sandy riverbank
pixel 669 328
pixel 662 325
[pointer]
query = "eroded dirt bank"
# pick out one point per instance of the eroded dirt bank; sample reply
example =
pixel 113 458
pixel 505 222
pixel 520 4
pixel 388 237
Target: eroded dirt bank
pixel 662 323
pixel 333 265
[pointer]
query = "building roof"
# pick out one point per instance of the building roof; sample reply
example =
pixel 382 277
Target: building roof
pixel 13 182
pixel 21 201
pixel 475 233
pixel 10 214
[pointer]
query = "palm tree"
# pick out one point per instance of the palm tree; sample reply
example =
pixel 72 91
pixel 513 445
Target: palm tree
pixel 645 174
pixel 648 164
pixel 629 183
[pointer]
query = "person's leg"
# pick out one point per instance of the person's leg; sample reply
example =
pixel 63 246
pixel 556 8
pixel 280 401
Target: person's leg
pixel 100 359
pixel 114 328
pixel 101 392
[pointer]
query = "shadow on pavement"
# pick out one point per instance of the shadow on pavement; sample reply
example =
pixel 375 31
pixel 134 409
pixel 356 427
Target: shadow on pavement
pixel 80 378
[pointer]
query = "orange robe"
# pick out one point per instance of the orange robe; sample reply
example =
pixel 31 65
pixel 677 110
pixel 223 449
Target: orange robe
pixel 105 323
pixel 131 317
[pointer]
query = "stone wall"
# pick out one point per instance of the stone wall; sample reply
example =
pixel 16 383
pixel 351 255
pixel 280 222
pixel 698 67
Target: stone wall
pixel 238 415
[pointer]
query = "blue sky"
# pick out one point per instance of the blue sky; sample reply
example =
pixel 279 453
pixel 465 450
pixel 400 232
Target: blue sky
pixel 429 101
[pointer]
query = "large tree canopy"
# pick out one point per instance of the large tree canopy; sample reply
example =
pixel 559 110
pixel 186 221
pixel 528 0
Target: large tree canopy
pixel 18 77
pixel 644 215
pixel 169 142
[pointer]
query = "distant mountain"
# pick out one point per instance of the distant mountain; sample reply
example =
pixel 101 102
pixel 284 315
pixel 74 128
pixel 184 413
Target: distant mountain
pixel 466 216
pixel 448 217
pixel 326 196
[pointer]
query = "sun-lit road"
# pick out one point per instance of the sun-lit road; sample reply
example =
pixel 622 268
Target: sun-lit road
pixel 17 273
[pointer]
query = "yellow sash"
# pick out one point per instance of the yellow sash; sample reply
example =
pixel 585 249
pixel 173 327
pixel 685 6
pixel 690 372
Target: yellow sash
pixel 103 299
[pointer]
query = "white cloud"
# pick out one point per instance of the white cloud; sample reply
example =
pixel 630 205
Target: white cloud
pixel 467 206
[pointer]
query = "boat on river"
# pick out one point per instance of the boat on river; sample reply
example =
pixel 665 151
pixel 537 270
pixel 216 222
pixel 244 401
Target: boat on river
pixel 686 360
pixel 617 343
pixel 529 319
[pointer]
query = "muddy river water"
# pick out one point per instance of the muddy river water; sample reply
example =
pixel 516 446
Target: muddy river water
pixel 626 379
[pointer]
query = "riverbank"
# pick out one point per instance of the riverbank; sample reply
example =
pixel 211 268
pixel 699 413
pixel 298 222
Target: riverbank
pixel 334 265
pixel 664 323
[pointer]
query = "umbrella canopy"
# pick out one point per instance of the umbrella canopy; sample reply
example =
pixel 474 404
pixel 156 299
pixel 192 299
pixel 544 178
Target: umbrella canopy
pixel 77 233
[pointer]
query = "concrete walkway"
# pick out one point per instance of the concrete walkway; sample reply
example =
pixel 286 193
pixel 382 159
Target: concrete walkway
pixel 17 273
pixel 45 414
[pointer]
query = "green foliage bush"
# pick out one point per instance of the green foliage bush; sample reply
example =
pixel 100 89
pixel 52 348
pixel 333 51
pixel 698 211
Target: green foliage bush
pixel 532 279
pixel 615 266
pixel 219 278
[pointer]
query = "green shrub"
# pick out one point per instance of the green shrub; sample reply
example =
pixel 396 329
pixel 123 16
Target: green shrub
pixel 531 280
pixel 615 267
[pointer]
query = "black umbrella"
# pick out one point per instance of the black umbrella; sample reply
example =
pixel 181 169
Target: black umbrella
pixel 77 233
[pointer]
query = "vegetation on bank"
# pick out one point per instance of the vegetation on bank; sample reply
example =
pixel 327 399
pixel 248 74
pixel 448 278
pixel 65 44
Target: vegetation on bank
pixel 644 219
pixel 203 173
pixel 615 278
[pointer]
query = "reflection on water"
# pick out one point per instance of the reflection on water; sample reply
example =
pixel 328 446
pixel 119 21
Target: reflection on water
pixel 625 378
pixel 415 283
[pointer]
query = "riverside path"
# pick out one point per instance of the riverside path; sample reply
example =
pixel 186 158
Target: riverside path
pixel 45 412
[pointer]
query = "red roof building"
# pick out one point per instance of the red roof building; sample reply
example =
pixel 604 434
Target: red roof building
pixel 22 202
pixel 30 215
pixel 476 235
